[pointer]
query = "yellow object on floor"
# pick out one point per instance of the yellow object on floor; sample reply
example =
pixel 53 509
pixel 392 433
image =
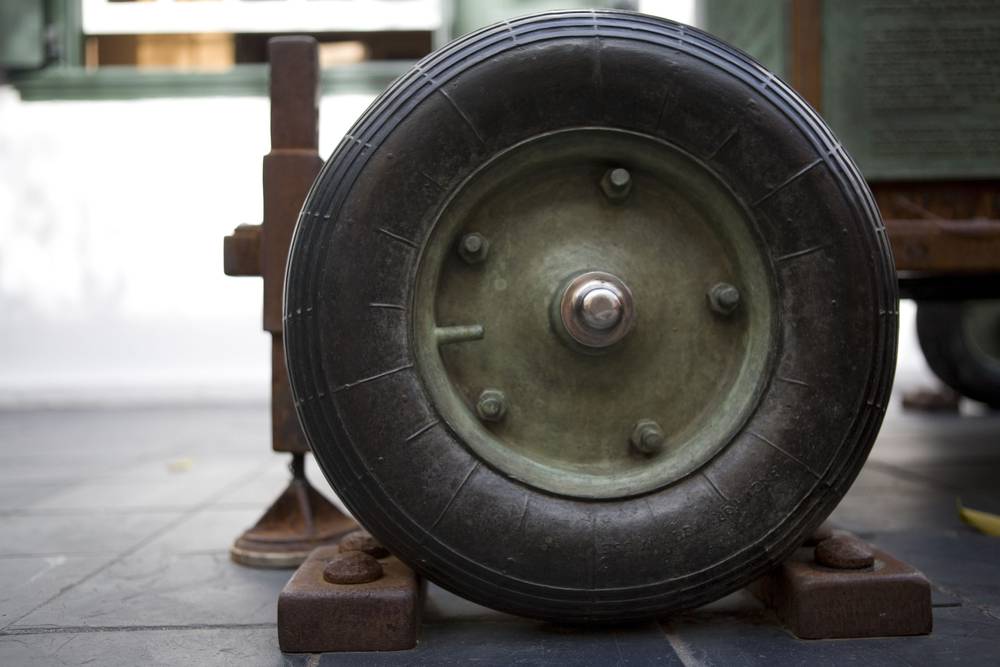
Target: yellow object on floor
pixel 984 522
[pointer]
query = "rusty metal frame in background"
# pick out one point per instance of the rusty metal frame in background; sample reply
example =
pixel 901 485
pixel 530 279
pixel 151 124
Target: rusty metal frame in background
pixel 301 519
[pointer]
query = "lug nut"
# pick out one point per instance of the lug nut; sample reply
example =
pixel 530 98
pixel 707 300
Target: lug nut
pixel 473 248
pixel 616 183
pixel 723 298
pixel 647 436
pixel 492 405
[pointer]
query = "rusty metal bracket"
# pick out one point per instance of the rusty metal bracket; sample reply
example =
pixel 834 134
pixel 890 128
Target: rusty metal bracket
pixel 357 597
pixel 241 251
pixel 847 589
pixel 289 170
pixel 301 518
pixel 347 598
pixel 945 246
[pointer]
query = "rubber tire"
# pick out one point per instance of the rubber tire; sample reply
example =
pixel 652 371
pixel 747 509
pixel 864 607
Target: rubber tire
pixel 943 340
pixel 414 484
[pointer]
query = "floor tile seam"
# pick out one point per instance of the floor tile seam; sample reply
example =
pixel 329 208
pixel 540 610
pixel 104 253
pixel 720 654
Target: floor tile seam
pixel 170 525
pixel 88 629
pixel 899 472
pixel 967 601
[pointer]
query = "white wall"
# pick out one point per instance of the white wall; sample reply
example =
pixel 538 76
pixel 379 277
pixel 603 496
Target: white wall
pixel 677 10
pixel 111 223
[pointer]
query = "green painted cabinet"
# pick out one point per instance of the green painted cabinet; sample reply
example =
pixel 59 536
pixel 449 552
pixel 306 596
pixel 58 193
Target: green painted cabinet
pixel 22 34
pixel 911 88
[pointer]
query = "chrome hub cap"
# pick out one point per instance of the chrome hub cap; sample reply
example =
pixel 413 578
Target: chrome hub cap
pixel 595 309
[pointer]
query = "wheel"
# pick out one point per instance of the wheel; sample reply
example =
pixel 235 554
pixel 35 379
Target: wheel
pixel 961 342
pixel 590 318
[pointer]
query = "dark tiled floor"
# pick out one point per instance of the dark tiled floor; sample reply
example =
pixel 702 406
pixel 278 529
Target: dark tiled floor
pixel 114 529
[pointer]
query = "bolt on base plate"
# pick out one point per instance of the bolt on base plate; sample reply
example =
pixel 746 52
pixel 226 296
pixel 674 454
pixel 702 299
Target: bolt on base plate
pixel 888 598
pixel 860 592
pixel 317 616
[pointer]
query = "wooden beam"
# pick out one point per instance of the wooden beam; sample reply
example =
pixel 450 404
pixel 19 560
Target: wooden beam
pixel 806 42
pixel 945 246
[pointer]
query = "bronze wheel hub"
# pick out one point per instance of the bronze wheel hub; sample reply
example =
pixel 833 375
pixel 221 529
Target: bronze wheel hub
pixel 593 315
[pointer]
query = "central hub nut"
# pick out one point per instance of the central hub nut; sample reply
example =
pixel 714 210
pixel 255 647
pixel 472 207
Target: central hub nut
pixel 595 309
pixel 600 309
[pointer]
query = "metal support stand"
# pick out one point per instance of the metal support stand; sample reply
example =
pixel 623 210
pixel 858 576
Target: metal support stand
pixel 353 597
pixel 356 597
pixel 301 518
pixel 843 588
pixel 295 524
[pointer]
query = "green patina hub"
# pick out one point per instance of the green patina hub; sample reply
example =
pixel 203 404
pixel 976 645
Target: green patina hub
pixel 577 419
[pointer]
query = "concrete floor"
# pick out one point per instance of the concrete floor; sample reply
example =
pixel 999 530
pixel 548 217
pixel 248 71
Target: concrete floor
pixel 115 525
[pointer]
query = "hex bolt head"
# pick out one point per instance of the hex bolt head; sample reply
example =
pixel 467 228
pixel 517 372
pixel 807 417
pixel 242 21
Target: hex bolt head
pixel 473 248
pixel 844 551
pixel 616 184
pixel 647 437
pixel 492 405
pixel 724 298
pixel 362 540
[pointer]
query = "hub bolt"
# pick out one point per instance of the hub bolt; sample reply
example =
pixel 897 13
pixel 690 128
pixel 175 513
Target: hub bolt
pixel 473 248
pixel 723 298
pixel 492 405
pixel 647 436
pixel 616 183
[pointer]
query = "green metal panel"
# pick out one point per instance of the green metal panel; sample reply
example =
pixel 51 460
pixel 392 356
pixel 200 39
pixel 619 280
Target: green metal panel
pixel 115 83
pixel 22 34
pixel 760 28
pixel 913 89
pixel 65 18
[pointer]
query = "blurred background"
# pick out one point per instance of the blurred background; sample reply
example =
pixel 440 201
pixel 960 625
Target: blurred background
pixel 131 134
pixel 131 138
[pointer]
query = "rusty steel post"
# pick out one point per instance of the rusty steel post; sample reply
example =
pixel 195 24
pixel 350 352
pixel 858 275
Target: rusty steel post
pixel 301 518
pixel 806 42
pixel 289 170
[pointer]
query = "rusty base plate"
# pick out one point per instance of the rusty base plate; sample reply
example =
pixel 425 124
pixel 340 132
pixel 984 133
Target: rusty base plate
pixel 300 520
pixel 888 599
pixel 938 399
pixel 316 616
